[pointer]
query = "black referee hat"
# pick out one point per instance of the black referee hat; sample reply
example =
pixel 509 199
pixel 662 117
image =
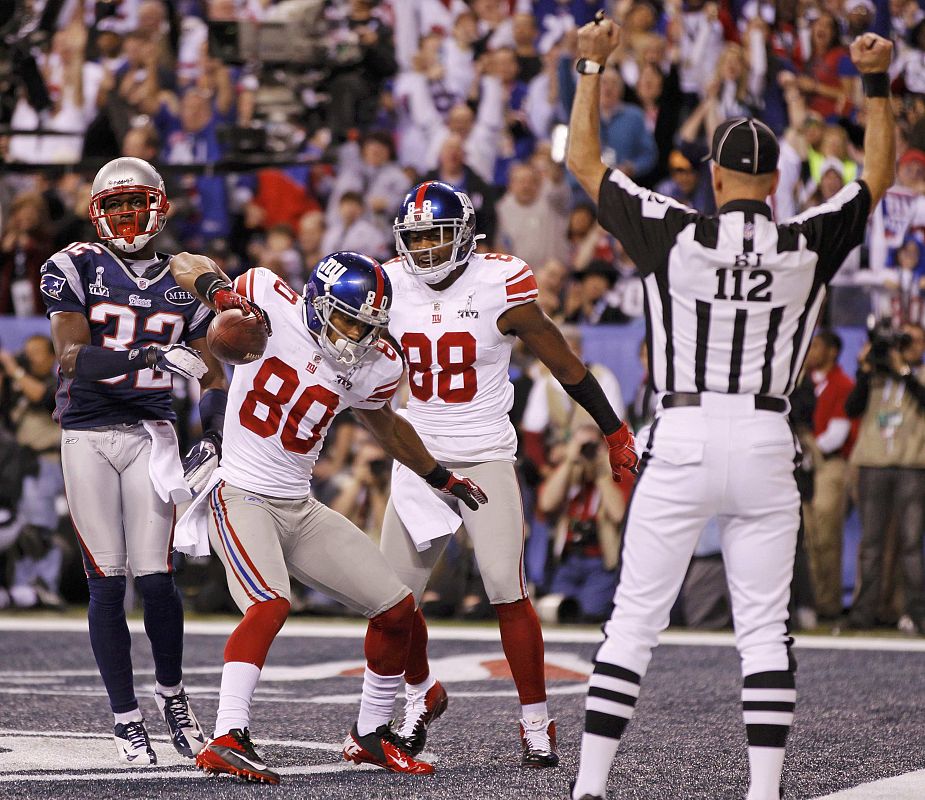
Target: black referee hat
pixel 744 144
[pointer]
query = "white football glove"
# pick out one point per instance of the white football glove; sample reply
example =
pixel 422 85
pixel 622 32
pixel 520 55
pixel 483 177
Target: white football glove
pixel 178 359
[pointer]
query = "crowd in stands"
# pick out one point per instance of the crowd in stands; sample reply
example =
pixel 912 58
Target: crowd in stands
pixel 274 165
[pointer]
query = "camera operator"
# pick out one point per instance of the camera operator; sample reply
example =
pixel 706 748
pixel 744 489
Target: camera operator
pixel 364 493
pixel 889 397
pixel 590 507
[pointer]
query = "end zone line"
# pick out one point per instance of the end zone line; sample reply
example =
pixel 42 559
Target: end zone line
pixel 909 786
pixel 554 635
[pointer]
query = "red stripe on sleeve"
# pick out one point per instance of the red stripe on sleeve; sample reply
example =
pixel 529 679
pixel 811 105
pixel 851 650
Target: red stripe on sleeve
pixel 528 284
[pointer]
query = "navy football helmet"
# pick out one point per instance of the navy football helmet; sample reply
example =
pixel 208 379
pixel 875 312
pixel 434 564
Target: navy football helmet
pixel 356 286
pixel 437 209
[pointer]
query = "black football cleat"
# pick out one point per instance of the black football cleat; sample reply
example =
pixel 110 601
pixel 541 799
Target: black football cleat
pixel 234 754
pixel 421 709
pixel 382 748
pixel 538 741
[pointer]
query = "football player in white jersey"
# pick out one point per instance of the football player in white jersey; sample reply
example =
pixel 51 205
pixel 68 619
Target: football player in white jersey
pixel 324 356
pixel 455 316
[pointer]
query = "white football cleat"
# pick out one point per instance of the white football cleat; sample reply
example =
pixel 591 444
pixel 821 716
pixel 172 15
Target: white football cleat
pixel 185 732
pixel 133 743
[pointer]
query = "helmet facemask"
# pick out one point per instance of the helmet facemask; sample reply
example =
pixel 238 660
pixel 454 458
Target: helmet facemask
pixel 454 239
pixel 338 344
pixel 129 230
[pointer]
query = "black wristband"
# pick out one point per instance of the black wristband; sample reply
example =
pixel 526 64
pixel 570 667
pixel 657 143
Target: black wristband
pixel 876 84
pixel 438 477
pixel 209 283
pixel 589 395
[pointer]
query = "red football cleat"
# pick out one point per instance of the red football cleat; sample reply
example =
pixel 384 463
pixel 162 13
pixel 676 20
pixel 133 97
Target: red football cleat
pixel 382 748
pixel 234 754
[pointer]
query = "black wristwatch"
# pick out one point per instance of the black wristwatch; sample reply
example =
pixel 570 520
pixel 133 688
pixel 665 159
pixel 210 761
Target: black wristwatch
pixel 585 66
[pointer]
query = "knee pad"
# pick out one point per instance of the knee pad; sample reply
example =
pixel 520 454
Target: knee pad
pixel 157 584
pixel 107 591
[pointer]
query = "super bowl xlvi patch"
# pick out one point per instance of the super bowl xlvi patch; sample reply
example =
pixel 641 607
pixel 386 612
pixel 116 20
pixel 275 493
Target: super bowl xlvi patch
pixel 468 312
pixel 52 285
pixel 97 288
pixel 179 297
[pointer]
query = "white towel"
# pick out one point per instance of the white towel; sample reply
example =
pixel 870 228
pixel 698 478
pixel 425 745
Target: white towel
pixel 191 535
pixel 426 512
pixel 164 466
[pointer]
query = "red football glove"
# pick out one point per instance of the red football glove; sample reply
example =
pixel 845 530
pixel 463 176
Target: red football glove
pixel 459 486
pixel 224 299
pixel 622 452
pixel 466 490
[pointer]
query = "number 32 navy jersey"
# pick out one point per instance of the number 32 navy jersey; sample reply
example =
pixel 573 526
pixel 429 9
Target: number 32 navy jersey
pixel 124 311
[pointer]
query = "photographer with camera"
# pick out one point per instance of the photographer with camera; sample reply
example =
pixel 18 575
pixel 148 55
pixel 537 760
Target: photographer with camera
pixel 589 508
pixel 889 397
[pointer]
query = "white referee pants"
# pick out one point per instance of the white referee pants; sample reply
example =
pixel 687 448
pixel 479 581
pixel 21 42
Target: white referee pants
pixel 724 459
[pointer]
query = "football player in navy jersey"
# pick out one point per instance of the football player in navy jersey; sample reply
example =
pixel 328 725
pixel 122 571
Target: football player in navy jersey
pixel 117 320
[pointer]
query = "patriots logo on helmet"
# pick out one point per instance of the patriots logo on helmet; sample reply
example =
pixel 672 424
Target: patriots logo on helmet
pixel 52 285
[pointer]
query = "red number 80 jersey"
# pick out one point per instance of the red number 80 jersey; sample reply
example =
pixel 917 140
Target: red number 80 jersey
pixel 280 407
pixel 457 359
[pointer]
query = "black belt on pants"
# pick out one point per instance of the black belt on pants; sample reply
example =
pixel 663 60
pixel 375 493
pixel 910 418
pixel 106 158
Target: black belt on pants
pixel 762 401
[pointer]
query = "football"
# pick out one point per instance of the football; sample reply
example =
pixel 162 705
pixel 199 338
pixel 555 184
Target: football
pixel 236 338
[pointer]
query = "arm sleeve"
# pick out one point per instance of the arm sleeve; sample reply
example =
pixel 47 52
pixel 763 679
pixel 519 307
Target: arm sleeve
pixel 520 285
pixel 253 284
pixel 834 436
pixel 646 223
pixel 61 286
pixel 835 228
pixel 386 383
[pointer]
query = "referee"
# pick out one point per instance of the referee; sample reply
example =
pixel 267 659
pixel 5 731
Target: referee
pixel 731 301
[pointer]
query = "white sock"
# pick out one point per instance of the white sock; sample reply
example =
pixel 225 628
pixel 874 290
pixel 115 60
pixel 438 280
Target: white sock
pixel 423 687
pixel 534 711
pixel 597 755
pixel 128 716
pixel 168 691
pixel 378 700
pixel 766 765
pixel 239 681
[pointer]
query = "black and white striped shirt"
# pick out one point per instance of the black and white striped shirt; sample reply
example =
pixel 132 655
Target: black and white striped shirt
pixel 731 300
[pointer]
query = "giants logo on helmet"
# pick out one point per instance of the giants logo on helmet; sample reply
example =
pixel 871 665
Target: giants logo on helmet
pixel 330 271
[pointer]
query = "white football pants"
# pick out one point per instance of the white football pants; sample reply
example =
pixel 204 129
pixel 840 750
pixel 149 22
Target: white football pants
pixel 726 459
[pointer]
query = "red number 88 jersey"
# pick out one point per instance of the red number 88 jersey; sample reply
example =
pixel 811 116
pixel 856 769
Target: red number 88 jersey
pixel 457 359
